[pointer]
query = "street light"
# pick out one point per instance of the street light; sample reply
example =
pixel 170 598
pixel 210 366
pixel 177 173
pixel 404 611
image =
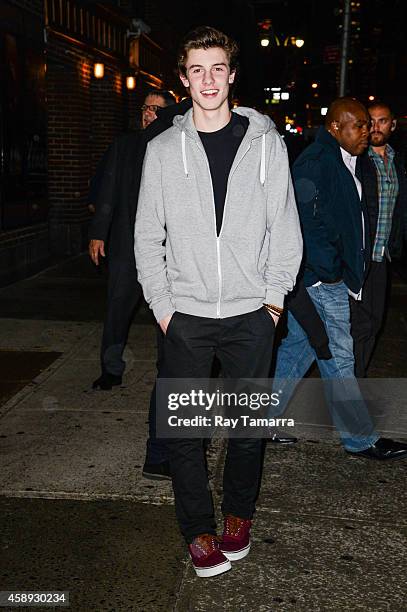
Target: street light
pixel 269 36
pixel 314 85
pixel 294 41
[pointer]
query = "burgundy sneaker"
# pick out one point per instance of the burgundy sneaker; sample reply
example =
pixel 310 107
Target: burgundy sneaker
pixel 235 543
pixel 207 559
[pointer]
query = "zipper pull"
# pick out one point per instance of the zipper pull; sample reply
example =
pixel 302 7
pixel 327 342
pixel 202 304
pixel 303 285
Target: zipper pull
pixel 315 204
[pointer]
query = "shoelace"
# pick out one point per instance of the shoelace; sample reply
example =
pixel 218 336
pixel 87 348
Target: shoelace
pixel 206 543
pixel 233 525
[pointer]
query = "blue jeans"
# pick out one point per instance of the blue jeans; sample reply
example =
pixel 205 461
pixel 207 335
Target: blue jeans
pixel 295 356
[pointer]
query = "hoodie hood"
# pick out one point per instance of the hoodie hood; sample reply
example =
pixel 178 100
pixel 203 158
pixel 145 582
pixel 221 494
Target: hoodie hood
pixel 165 118
pixel 259 126
pixel 166 115
pixel 258 122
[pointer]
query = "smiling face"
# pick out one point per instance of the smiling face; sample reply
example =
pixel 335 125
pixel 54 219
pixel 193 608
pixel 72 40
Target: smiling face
pixel 208 77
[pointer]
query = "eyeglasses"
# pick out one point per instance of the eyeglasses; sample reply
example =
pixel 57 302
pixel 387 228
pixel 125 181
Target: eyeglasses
pixel 151 107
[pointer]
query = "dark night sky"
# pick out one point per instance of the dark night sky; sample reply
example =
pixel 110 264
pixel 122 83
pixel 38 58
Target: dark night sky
pixel 381 35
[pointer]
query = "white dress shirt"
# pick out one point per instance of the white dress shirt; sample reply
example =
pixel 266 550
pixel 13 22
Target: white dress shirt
pixel 350 162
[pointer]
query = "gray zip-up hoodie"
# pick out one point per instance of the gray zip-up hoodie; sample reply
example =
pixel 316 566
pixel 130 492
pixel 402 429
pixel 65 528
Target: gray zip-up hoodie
pixel 182 264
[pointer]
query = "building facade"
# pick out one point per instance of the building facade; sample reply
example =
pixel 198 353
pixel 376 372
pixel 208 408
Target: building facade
pixel 57 118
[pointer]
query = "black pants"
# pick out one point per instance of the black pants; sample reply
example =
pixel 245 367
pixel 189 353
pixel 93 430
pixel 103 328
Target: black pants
pixel 123 295
pixel 367 316
pixel 243 345
pixel 156 448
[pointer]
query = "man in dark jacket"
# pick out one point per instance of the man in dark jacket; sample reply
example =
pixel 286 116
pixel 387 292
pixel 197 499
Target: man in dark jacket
pixel 385 190
pixel 336 257
pixel 112 231
pixel 114 223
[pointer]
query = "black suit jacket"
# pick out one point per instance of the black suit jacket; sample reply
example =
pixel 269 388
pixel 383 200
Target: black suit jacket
pixel 117 189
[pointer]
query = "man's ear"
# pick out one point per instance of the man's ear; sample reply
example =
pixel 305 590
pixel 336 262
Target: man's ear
pixel 232 77
pixel 393 125
pixel 333 128
pixel 184 80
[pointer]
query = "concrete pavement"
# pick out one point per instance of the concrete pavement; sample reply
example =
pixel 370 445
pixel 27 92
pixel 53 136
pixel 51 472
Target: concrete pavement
pixel 330 530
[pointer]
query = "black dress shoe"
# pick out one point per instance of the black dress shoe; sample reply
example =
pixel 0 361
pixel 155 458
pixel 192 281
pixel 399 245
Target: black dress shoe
pixel 384 449
pixel 279 439
pixel 106 382
pixel 157 471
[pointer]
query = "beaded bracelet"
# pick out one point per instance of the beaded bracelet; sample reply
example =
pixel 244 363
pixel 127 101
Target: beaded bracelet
pixel 276 310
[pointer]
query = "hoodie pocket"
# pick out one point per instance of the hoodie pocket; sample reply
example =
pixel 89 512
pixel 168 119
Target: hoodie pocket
pixel 241 277
pixel 192 269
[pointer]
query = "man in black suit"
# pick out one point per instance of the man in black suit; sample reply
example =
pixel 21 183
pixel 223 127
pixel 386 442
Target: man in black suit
pixel 116 196
pixel 112 232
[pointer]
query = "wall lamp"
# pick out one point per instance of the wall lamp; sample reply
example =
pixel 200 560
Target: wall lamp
pixel 99 71
pixel 130 82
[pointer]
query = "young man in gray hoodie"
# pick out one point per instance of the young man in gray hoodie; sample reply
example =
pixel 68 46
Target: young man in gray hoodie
pixel 218 245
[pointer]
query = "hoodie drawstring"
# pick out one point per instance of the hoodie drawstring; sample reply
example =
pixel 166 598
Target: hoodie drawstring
pixel 263 160
pixel 184 153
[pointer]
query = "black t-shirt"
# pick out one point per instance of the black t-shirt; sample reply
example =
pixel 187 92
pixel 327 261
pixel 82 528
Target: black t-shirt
pixel 221 148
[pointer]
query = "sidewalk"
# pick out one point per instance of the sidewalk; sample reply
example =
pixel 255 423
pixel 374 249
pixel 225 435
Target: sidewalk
pixel 330 530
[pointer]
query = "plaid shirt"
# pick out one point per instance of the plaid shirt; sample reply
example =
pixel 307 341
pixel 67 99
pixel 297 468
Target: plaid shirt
pixel 387 190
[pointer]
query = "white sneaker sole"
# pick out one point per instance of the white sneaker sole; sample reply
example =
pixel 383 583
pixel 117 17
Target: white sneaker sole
pixel 208 572
pixel 238 554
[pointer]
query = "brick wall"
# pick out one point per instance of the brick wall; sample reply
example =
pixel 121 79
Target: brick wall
pixel 84 116
pixel 109 116
pixel 133 107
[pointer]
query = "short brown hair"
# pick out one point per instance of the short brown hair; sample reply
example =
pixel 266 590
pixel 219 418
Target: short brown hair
pixel 205 37
pixel 380 104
